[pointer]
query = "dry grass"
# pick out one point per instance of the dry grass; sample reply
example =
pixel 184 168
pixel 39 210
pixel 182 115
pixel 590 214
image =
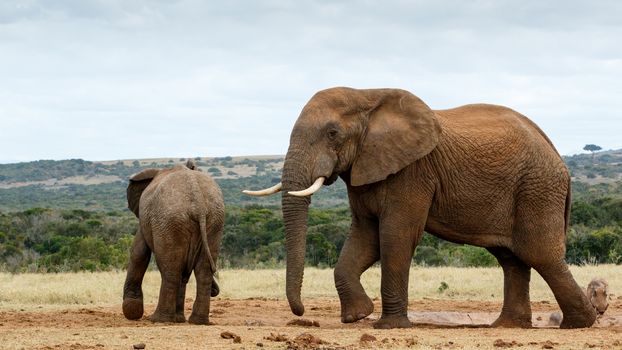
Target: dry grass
pixel 105 288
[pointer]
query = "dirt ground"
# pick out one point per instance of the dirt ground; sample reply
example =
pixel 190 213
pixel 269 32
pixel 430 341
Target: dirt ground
pixel 258 323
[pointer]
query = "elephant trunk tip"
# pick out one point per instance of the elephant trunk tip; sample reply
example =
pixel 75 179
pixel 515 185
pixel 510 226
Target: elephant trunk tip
pixel 297 308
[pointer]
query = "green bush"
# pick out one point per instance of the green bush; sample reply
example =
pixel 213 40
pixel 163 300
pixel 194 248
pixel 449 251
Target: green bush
pixel 99 237
pixel 586 245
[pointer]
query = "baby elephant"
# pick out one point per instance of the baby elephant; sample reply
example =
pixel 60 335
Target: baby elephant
pixel 181 214
pixel 597 292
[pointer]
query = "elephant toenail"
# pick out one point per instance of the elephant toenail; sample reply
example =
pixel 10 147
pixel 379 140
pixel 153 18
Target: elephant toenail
pixel 349 319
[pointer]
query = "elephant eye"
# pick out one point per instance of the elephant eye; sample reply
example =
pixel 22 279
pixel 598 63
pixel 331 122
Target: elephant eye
pixel 332 134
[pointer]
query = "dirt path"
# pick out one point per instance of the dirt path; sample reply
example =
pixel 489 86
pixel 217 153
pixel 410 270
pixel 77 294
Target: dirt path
pixel 262 323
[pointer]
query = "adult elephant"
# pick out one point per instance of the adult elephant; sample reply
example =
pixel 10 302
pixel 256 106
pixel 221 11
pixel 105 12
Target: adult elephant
pixel 478 174
pixel 181 213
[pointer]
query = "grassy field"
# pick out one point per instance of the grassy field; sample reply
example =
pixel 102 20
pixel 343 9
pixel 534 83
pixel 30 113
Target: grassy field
pixel 105 288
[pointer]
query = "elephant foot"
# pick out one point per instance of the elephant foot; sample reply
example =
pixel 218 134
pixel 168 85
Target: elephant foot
pixel 133 308
pixel 197 319
pixel 393 322
pixel 576 320
pixel 504 321
pixel 160 317
pixel 357 311
pixel 180 318
pixel 215 289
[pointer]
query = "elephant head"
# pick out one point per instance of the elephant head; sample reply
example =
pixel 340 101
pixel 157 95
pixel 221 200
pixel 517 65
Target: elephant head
pixel 362 135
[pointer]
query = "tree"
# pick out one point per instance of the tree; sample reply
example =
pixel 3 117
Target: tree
pixel 592 148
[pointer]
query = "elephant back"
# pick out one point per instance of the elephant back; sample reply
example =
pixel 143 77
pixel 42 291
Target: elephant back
pixel 182 192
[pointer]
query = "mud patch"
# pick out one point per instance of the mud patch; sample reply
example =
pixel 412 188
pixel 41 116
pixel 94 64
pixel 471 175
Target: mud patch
pixel 366 338
pixel 305 341
pixel 230 335
pixel 500 343
pixel 303 322
pixel 276 337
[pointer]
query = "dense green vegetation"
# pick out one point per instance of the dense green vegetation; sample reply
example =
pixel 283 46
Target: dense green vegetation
pixel 86 227
pixel 68 240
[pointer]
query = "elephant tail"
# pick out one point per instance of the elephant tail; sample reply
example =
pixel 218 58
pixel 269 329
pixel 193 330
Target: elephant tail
pixel 203 228
pixel 568 204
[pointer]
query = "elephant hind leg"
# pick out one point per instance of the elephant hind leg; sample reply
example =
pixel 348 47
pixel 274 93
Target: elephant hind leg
pixel 201 306
pixel 540 243
pixel 171 273
pixel 132 289
pixel 181 298
pixel 516 311
pixel 577 310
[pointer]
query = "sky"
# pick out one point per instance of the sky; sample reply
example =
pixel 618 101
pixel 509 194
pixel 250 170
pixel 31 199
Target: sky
pixel 126 79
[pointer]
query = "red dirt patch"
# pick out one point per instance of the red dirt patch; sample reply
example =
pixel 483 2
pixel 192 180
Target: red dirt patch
pixel 104 327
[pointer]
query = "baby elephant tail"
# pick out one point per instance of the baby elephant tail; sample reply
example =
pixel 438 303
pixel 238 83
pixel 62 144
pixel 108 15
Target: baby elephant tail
pixel 203 227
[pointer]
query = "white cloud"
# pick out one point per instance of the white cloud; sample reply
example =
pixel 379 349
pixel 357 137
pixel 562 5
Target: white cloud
pixel 126 79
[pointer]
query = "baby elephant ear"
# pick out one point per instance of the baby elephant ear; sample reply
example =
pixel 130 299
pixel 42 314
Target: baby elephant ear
pixel 138 183
pixel 400 130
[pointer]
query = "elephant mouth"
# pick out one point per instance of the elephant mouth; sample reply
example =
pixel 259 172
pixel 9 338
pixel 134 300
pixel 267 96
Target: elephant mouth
pixel 331 179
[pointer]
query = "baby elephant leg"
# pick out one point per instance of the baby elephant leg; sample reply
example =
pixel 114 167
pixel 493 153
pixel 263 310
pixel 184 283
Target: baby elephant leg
pixel 132 290
pixel 204 277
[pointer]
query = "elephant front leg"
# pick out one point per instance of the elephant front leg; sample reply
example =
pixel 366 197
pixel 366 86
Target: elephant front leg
pixel 132 289
pixel 398 239
pixel 359 252
pixel 516 311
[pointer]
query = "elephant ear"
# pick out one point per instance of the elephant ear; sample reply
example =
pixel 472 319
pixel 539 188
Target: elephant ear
pixel 138 183
pixel 400 130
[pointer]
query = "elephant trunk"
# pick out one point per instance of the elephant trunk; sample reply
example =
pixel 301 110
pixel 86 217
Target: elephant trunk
pixel 295 210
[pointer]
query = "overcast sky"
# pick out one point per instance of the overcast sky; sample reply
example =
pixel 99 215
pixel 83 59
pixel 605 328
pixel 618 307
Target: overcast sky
pixel 103 80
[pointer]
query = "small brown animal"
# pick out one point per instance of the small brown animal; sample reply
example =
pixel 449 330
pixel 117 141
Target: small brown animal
pixel 597 293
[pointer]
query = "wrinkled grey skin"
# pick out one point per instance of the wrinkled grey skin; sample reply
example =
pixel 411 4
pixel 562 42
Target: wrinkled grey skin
pixel 478 174
pixel 181 211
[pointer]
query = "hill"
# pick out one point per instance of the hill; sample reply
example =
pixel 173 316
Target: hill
pixel 92 185
pixel 100 185
pixel 605 167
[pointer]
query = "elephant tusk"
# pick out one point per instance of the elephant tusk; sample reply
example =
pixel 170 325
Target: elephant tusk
pixel 311 190
pixel 266 192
